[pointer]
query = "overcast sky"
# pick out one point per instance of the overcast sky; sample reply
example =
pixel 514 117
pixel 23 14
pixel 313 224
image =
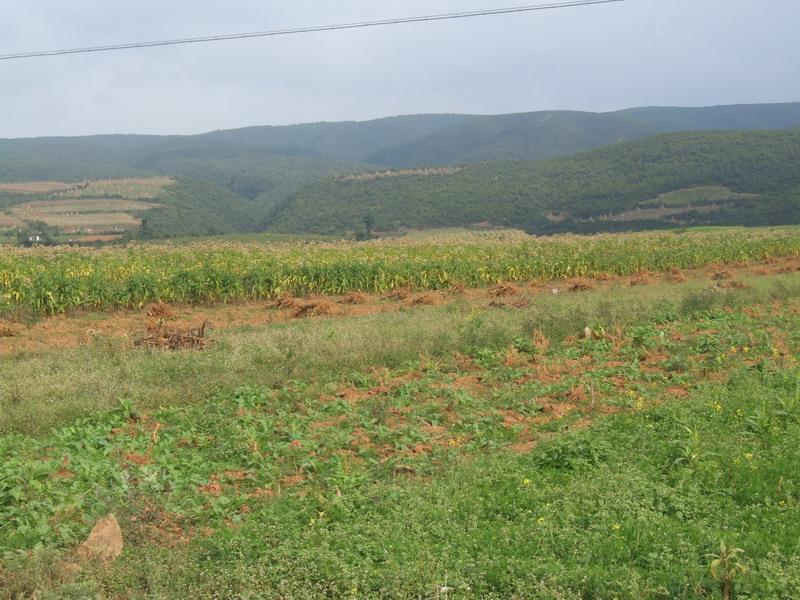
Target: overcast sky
pixel 603 57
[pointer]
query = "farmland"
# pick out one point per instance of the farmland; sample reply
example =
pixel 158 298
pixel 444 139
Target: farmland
pixel 100 207
pixel 482 415
pixel 115 210
pixel 55 281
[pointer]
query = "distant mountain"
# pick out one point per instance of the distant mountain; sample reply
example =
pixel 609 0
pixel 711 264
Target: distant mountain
pixel 526 136
pixel 690 178
pixel 734 116
pixel 265 165
pixel 532 136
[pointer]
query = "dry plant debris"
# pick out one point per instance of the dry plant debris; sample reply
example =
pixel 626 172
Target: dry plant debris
pixel 168 338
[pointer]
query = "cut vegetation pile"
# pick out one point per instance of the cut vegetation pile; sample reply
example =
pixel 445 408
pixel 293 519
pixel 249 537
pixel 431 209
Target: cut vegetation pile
pixel 320 308
pixel 353 298
pixel 284 302
pixel 504 289
pixel 163 337
pixel 676 275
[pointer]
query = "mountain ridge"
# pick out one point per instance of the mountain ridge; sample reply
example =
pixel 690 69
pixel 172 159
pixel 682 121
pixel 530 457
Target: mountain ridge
pixel 265 165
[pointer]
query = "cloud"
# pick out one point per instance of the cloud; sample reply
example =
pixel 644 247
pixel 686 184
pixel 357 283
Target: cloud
pixel 639 52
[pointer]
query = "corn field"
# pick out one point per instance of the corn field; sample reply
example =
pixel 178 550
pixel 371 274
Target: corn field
pixel 58 280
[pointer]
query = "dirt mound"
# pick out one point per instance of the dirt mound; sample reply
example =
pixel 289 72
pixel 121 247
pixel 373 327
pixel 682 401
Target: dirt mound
pixel 6 331
pixel 675 275
pixel 426 299
pixel 160 310
pixel 719 276
pixel 167 338
pixel 399 294
pixel 504 289
pixel 641 279
pixel 284 302
pixel 320 308
pixel 353 298
pixel 581 285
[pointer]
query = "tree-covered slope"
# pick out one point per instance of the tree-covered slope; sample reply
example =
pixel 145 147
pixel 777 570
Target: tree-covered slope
pixel 267 164
pixel 198 208
pixel 260 176
pixel 75 158
pixel 731 177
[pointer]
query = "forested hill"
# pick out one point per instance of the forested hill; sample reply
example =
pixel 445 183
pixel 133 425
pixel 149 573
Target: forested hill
pixel 267 164
pixel 548 134
pixel 690 178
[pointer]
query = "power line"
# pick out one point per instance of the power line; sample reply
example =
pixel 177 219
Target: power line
pixel 311 29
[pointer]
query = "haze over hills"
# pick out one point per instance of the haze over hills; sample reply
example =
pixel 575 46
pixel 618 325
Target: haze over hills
pixel 261 167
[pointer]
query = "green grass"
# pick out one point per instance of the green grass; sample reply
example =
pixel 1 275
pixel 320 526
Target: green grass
pixel 40 390
pixel 385 466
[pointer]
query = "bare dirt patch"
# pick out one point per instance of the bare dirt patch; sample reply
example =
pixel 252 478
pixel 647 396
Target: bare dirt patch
pixel 678 392
pixel 292 480
pixel 553 410
pixel 137 459
pixel 524 447
pixel 213 488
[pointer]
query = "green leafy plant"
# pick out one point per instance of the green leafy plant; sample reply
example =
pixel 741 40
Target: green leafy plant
pixel 725 567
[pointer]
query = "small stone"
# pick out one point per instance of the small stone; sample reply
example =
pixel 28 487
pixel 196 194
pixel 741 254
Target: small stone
pixel 104 543
pixel 587 333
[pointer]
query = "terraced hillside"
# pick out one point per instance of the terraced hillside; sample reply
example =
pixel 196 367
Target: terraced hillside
pixel 115 209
